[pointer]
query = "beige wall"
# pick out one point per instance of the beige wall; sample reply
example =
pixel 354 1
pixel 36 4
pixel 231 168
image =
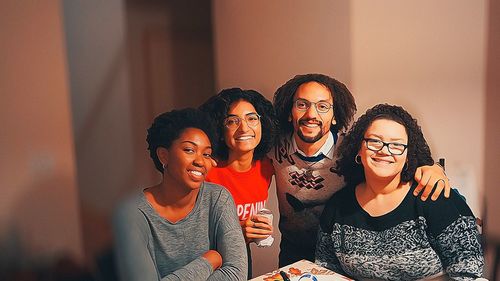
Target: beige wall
pixel 491 142
pixel 39 217
pixel 428 56
pixel 261 44
pixel 101 109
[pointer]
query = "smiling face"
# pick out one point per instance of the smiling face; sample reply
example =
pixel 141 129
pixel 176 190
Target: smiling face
pixel 310 125
pixel 188 159
pixel 245 138
pixel 382 164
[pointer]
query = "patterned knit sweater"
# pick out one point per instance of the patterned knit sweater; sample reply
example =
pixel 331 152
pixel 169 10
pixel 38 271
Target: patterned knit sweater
pixel 416 240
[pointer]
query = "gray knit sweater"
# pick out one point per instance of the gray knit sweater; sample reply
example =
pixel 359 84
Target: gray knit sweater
pixel 149 247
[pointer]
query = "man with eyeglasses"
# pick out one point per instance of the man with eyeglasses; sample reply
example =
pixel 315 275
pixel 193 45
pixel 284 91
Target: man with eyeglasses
pixel 314 111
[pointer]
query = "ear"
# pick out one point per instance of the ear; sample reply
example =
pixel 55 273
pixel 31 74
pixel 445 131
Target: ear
pixel 290 118
pixel 334 122
pixel 162 154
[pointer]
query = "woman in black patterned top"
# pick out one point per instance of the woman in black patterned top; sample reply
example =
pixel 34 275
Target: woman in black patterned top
pixel 374 228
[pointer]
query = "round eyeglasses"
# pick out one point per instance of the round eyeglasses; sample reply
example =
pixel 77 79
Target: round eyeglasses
pixel 394 148
pixel 233 122
pixel 321 106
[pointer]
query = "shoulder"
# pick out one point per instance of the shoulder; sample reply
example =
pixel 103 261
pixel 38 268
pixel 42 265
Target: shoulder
pixel 444 211
pixel 266 166
pixel 340 201
pixel 216 193
pixel 129 211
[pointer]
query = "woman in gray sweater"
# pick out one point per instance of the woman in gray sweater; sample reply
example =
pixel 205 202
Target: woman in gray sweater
pixel 182 228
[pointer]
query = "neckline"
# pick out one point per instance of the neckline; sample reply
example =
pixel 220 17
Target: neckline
pixel 152 210
pixel 389 214
pixel 233 171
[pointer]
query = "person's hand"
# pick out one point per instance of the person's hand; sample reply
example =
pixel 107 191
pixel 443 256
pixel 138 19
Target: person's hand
pixel 429 177
pixel 256 227
pixel 214 258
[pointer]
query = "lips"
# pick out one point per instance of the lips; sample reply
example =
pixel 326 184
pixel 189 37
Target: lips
pixel 310 123
pixel 244 138
pixel 382 160
pixel 196 174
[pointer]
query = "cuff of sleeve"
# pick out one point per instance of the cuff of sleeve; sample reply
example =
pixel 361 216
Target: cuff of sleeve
pixel 205 265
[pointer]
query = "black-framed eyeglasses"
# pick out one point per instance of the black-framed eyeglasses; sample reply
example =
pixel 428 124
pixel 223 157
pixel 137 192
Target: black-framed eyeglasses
pixel 321 106
pixel 233 122
pixel 395 148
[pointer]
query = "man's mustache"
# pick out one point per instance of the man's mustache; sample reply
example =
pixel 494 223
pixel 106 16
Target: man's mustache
pixel 305 121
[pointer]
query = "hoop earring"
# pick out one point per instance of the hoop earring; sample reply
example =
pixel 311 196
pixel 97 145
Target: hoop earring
pixel 405 166
pixel 357 159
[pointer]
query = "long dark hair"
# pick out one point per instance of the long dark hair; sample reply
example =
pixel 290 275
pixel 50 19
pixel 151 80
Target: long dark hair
pixel 218 106
pixel 418 154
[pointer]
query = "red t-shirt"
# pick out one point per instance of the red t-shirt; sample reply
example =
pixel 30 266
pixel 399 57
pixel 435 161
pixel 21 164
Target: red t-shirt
pixel 249 189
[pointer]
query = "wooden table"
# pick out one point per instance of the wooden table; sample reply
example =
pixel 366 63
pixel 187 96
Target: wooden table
pixel 295 270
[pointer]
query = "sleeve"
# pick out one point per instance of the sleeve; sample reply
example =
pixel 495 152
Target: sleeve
pixel 133 258
pixel 229 241
pixel 325 254
pixel 267 167
pixel 325 247
pixel 455 237
pixel 197 270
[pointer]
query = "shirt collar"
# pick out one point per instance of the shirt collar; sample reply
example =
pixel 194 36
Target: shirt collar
pixel 326 149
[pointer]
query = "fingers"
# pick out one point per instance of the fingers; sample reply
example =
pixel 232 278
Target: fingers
pixel 262 219
pixel 447 187
pixel 423 185
pixel 439 186
pixel 257 228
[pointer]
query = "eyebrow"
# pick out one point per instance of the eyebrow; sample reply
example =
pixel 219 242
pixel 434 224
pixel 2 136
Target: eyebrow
pixel 193 143
pixel 380 137
pixel 231 115
pixel 328 100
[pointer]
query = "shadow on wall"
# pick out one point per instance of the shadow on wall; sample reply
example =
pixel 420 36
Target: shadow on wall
pixel 42 240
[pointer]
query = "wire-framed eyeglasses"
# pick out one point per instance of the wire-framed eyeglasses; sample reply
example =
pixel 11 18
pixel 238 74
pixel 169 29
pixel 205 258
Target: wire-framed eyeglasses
pixel 233 122
pixel 321 106
pixel 395 148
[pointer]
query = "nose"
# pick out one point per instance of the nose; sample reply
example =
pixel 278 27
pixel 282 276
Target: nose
pixel 311 112
pixel 385 149
pixel 243 126
pixel 198 160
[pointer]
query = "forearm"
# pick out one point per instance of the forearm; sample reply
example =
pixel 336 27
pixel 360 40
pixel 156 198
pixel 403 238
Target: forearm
pixel 460 250
pixel 197 270
pixel 231 246
pixel 325 254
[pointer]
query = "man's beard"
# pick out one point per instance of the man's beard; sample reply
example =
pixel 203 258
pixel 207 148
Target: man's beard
pixel 312 139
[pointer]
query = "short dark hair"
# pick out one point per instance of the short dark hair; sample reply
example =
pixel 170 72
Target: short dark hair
pixel 168 126
pixel 344 106
pixel 418 151
pixel 218 106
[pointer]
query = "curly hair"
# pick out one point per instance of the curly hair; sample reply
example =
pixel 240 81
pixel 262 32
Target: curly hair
pixel 218 106
pixel 418 151
pixel 344 106
pixel 168 126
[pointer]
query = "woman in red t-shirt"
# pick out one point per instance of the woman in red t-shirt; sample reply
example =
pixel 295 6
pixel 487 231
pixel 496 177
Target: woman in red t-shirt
pixel 246 126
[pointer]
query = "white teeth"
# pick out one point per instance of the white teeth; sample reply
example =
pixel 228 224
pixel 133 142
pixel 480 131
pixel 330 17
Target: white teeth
pixel 245 138
pixel 196 173
pixel 311 125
